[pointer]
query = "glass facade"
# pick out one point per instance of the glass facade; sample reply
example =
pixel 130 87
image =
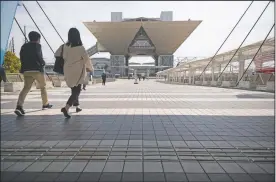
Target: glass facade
pixel 8 9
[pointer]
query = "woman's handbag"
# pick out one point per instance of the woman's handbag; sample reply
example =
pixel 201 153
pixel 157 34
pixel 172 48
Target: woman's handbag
pixel 59 63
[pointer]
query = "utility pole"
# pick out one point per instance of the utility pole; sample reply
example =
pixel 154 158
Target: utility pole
pixel 25 34
pixel 13 50
pixel 9 48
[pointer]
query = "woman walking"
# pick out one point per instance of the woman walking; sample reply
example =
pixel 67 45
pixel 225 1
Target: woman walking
pixel 76 65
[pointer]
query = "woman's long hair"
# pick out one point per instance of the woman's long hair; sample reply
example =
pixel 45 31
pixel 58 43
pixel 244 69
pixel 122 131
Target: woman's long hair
pixel 74 38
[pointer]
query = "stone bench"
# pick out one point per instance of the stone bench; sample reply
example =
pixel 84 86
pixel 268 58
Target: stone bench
pixel 214 83
pixel 48 85
pixel 228 84
pixel 198 82
pixel 206 83
pixel 270 86
pixel 13 86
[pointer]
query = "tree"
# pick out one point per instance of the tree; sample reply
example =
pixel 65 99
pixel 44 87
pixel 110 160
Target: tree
pixel 12 63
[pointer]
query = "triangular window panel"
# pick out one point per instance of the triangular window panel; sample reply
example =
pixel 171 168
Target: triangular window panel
pixel 141 39
pixel 141 43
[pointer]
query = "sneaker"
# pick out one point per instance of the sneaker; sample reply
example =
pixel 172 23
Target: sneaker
pixel 48 106
pixel 19 111
pixel 78 109
pixel 65 112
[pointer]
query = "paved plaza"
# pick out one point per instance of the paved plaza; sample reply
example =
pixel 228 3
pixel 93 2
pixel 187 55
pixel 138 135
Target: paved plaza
pixel 146 132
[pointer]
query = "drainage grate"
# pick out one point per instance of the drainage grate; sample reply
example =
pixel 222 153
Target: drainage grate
pixel 137 153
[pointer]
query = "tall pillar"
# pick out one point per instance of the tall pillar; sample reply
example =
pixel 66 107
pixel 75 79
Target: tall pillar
pixel 126 64
pixel 155 57
pixel 213 72
pixel 219 71
pixel 241 68
pixel 190 76
pixel 193 76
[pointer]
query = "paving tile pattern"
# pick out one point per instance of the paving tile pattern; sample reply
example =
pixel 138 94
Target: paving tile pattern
pixel 145 132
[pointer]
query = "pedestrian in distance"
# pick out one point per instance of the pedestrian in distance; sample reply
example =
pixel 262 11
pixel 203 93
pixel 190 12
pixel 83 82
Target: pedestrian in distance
pixel 87 79
pixel 32 68
pixel 103 78
pixel 76 65
pixel 3 76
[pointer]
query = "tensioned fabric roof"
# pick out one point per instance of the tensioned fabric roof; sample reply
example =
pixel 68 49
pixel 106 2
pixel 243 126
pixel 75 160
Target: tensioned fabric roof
pixel 166 36
pixel 247 52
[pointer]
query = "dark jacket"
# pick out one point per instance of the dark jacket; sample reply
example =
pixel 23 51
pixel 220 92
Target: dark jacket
pixel 3 74
pixel 103 76
pixel 31 57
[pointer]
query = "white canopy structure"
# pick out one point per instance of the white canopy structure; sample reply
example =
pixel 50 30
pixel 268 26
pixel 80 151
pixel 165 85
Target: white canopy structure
pixel 244 53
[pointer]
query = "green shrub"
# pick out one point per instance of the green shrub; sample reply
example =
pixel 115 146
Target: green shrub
pixel 12 63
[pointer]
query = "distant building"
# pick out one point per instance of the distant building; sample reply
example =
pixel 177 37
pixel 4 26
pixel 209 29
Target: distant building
pixel 101 63
pixel 124 38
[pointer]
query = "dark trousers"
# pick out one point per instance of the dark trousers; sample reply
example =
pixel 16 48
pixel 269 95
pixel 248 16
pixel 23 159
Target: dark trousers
pixel 3 76
pixel 103 81
pixel 74 98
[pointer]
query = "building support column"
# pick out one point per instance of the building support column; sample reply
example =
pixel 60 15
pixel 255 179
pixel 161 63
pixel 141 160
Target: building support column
pixel 126 64
pixel 155 57
pixel 219 71
pixel 193 76
pixel 241 68
pixel 190 76
pixel 213 72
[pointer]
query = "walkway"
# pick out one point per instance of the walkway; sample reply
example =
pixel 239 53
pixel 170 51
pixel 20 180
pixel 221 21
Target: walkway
pixel 145 132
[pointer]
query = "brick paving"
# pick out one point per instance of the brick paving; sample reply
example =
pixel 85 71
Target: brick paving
pixel 145 132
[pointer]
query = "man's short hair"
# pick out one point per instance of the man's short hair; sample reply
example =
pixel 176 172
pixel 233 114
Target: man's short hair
pixel 34 36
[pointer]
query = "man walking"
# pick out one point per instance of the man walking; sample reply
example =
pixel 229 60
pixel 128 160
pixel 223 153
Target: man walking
pixel 103 78
pixel 32 68
pixel 3 76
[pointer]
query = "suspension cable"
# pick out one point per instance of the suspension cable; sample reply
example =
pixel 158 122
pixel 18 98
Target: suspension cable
pixel 243 40
pixel 255 54
pixel 226 38
pixel 50 21
pixel 21 29
pixel 38 28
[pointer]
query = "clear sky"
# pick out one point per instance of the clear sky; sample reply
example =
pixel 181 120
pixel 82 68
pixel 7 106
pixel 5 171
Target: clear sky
pixel 218 18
